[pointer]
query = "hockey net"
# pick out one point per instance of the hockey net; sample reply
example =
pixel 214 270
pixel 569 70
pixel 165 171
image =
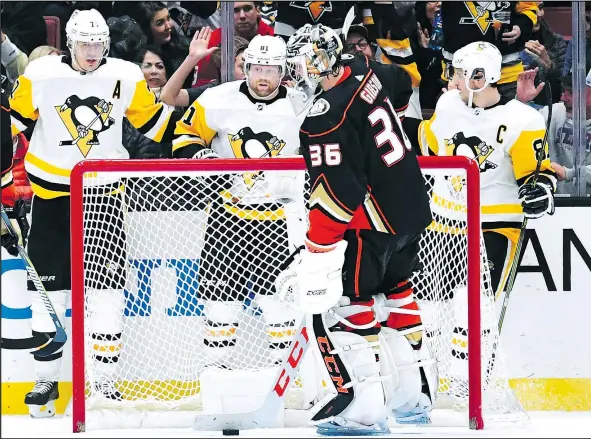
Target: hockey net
pixel 157 245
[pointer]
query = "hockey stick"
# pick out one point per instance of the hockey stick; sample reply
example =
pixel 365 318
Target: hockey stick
pixel 517 258
pixel 53 344
pixel 267 412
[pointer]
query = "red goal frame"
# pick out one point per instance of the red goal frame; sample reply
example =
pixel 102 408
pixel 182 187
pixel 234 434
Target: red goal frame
pixel 243 165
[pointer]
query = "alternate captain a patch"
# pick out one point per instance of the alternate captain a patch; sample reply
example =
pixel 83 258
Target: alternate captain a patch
pixel 85 119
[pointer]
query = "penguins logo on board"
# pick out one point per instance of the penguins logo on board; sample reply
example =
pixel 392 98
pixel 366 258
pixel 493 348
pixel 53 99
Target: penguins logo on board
pixel 248 144
pixel 85 119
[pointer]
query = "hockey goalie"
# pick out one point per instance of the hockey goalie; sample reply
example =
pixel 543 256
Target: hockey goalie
pixel 361 245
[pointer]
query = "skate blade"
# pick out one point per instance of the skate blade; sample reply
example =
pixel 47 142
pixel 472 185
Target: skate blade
pixel 42 411
pixel 332 429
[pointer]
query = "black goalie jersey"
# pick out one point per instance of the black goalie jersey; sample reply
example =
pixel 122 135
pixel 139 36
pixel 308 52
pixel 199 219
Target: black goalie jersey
pixel 363 170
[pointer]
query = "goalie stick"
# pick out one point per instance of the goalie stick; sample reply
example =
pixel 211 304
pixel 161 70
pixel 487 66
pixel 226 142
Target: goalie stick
pixel 264 415
pixel 52 345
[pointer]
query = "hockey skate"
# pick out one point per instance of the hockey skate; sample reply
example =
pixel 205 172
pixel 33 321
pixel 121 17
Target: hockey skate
pixel 41 400
pixel 419 415
pixel 341 427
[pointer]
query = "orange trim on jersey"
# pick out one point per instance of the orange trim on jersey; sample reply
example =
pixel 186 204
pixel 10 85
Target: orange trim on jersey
pixel 382 216
pixel 346 109
pixel 358 263
pixel 5 109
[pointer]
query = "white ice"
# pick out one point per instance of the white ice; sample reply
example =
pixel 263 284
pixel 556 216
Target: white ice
pixel 543 424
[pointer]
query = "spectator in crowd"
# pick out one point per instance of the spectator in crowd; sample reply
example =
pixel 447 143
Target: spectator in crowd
pixel 13 59
pixel 189 17
pixel 156 70
pixel 40 51
pixel 545 49
pixel 154 20
pixel 247 24
pixel 357 41
pixel 127 38
pixel 429 62
pixel 24 25
pixel 561 137
pixel 174 94
pixel 398 80
pixel 568 60
pixel 561 129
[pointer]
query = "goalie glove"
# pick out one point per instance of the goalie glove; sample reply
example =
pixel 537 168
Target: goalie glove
pixel 537 199
pixel 18 220
pixel 313 280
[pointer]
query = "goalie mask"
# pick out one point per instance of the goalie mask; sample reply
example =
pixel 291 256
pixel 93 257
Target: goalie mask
pixel 313 52
pixel 88 38
pixel 264 64
pixel 477 61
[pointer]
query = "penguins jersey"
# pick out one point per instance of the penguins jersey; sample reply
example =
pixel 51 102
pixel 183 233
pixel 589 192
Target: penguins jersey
pixel 503 139
pixel 364 173
pixel 79 116
pixel 230 121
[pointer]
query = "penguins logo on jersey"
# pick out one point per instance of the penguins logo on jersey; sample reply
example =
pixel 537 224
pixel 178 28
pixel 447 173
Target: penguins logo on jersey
pixel 85 119
pixel 472 147
pixel 483 14
pixel 315 9
pixel 248 144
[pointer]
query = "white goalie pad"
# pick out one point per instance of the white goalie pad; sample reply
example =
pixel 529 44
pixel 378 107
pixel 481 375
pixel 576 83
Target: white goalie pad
pixel 356 383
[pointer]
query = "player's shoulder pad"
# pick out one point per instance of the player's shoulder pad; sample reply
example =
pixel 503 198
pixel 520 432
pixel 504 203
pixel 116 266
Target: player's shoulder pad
pixel 120 68
pixel 529 117
pixel 222 95
pixel 44 67
pixel 324 115
pixel 450 97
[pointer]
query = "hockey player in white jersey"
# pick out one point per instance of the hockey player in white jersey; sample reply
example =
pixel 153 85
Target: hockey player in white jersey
pixel 247 234
pixel 505 137
pixel 77 103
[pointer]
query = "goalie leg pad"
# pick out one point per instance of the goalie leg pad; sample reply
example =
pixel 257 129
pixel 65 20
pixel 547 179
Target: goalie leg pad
pixel 347 339
pixel 415 378
pixel 414 383
pixel 221 327
pixel 47 368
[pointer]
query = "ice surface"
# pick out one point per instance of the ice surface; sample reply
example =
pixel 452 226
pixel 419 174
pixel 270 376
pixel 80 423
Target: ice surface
pixel 543 424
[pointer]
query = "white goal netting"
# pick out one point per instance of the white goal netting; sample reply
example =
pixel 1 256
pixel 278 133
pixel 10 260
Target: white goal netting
pixel 178 279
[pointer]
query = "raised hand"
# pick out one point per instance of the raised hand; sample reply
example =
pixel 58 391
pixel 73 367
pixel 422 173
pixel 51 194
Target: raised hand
pixel 199 47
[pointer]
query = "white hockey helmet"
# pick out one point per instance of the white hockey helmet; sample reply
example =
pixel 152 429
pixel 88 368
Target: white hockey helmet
pixel 88 27
pixel 313 51
pixel 479 60
pixel 265 50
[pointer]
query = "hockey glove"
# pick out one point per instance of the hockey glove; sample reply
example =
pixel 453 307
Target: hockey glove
pixel 313 281
pixel 537 199
pixel 18 219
